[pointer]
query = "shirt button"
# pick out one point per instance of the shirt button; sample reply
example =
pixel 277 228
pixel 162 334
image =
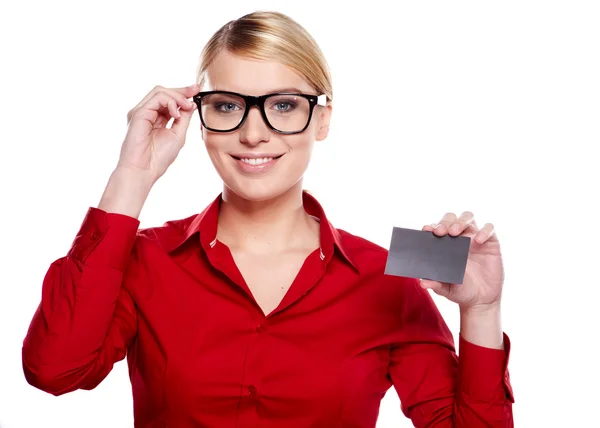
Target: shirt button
pixel 94 236
pixel 260 328
pixel 252 390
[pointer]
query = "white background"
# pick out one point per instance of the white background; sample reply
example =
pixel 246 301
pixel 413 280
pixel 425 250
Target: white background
pixel 439 106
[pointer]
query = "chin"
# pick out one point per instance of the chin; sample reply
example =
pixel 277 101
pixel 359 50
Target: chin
pixel 260 190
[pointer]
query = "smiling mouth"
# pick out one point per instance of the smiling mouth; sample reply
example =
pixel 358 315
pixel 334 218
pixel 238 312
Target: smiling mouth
pixel 256 161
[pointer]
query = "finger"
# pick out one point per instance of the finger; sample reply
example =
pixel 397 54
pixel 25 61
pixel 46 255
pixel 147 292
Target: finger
pixel 163 119
pixel 182 100
pixel 487 233
pixel 188 91
pixel 181 124
pixel 177 104
pixel 155 107
pixel 461 223
pixel 165 115
pixel 180 94
pixel 429 227
pixel 442 227
pixel 440 288
pixel 172 105
pixel 177 93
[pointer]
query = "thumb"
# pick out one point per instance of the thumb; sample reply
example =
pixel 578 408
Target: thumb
pixel 440 288
pixel 181 124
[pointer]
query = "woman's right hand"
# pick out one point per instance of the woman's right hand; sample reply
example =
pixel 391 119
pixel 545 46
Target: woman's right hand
pixel 150 147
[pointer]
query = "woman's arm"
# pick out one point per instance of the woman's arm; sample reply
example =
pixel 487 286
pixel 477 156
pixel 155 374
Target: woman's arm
pixel 86 319
pixel 482 326
pixel 436 387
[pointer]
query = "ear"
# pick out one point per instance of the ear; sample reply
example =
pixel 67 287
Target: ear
pixel 324 115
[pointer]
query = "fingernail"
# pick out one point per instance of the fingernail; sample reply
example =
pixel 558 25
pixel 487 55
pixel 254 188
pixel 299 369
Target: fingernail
pixel 454 228
pixel 438 226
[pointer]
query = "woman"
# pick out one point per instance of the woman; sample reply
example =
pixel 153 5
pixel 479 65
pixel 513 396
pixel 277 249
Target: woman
pixel 257 311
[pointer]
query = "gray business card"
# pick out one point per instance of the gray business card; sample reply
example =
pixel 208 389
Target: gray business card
pixel 422 254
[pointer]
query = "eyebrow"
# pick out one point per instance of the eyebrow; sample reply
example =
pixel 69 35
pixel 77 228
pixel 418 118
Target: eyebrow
pixel 290 89
pixel 281 90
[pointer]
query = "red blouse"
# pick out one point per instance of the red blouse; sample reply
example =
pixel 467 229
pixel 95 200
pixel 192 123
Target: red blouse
pixel 202 353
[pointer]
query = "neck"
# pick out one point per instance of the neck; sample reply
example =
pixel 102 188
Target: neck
pixel 268 226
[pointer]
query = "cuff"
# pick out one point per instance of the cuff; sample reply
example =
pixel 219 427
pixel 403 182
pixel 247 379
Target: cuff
pixel 104 239
pixel 483 372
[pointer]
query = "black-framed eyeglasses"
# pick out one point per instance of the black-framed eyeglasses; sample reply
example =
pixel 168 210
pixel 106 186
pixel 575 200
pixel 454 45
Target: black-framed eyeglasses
pixel 285 113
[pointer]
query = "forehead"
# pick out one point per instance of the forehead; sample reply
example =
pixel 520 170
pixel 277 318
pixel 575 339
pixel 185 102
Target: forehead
pixel 229 72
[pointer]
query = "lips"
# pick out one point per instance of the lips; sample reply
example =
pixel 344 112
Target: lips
pixel 258 161
pixel 257 164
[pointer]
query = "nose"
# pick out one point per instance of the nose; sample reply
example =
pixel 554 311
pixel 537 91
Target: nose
pixel 254 130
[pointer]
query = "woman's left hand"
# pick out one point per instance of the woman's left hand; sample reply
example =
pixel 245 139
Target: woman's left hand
pixel 484 275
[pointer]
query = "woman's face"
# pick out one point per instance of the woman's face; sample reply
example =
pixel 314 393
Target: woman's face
pixel 287 155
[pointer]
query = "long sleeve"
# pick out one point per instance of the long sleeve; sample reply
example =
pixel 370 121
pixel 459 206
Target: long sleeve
pixel 439 389
pixel 86 319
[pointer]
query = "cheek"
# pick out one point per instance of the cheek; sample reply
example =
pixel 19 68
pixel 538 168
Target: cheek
pixel 305 140
pixel 218 142
pixel 214 150
pixel 301 142
pixel 300 150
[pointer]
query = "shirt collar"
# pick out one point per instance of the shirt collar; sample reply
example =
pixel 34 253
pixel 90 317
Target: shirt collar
pixel 204 226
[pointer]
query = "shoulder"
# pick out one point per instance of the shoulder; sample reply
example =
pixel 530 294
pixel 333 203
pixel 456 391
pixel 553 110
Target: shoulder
pixel 396 294
pixel 361 250
pixel 369 258
pixel 167 236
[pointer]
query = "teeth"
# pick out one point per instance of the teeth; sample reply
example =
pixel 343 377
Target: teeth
pixel 254 161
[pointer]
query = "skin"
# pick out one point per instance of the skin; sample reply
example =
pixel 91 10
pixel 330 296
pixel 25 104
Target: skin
pixel 262 219
pixel 263 214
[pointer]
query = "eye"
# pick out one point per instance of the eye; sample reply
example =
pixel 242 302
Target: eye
pixel 283 105
pixel 226 107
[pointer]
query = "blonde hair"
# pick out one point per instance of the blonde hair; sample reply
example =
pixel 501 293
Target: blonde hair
pixel 270 36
